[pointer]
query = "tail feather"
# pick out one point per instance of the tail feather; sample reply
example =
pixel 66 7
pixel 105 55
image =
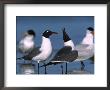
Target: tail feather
pixel 92 59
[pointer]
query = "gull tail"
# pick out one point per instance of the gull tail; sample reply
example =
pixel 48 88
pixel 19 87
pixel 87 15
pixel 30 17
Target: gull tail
pixel 92 60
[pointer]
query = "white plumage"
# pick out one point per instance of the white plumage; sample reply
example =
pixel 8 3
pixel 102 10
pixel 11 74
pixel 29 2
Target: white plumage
pixel 85 49
pixel 26 44
pixel 69 43
pixel 88 39
pixel 46 50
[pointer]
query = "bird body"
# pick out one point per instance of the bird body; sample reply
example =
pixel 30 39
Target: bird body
pixel 27 42
pixel 69 43
pixel 46 50
pixel 84 51
pixel 42 53
pixel 31 54
pixel 88 39
pixel 86 48
pixel 65 54
pixel 70 52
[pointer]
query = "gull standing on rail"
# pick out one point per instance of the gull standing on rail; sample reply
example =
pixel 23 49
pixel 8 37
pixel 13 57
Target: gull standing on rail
pixel 46 48
pixel 42 53
pixel 66 54
pixel 86 48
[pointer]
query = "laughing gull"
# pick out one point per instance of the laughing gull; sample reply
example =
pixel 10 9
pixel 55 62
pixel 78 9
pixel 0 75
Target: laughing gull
pixel 86 48
pixel 66 54
pixel 42 53
pixel 27 42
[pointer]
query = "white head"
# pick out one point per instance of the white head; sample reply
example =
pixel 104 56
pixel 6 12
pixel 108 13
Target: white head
pixel 90 30
pixel 88 39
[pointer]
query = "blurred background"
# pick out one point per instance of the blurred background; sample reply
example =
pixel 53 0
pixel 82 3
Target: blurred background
pixel 75 26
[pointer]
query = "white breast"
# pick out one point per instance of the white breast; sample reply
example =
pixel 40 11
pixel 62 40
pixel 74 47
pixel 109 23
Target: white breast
pixel 88 39
pixel 26 44
pixel 69 43
pixel 84 54
pixel 46 50
pixel 86 49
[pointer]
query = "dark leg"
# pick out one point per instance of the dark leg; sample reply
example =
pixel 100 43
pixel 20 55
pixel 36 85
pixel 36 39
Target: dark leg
pixel 66 68
pixel 82 65
pixel 45 69
pixel 38 67
pixel 62 68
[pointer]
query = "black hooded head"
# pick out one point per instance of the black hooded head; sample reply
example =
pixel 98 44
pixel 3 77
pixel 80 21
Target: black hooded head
pixel 48 33
pixel 90 29
pixel 31 32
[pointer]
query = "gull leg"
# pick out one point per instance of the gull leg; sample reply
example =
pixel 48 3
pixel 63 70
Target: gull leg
pixel 45 68
pixel 38 67
pixel 66 68
pixel 82 65
pixel 62 68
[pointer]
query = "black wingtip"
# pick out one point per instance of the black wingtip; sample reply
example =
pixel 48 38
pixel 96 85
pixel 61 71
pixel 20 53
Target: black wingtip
pixel 65 36
pixel 92 60
pixel 63 30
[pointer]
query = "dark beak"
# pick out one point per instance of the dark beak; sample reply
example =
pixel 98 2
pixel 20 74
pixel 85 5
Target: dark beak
pixel 54 33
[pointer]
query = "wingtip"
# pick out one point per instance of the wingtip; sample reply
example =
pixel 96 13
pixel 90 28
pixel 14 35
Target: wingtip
pixel 63 30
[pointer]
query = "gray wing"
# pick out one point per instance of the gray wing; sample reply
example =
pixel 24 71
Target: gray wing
pixel 65 54
pixel 83 55
pixel 20 46
pixel 83 51
pixel 81 46
pixel 33 53
pixel 64 50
